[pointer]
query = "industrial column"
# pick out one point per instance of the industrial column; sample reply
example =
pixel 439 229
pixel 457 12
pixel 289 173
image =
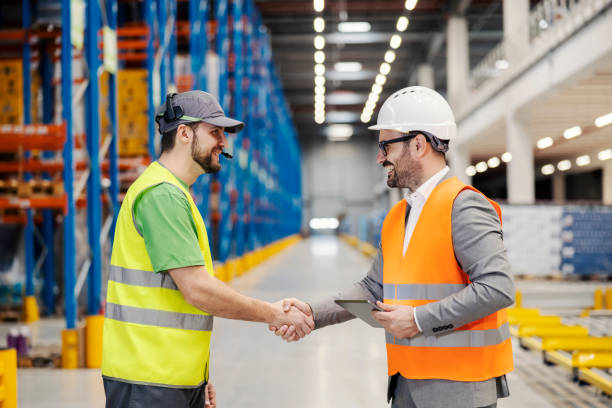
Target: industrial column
pixel 516 30
pixel 457 60
pixel 520 172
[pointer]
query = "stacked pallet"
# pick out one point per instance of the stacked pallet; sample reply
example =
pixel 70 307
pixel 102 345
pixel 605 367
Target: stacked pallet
pixel 133 112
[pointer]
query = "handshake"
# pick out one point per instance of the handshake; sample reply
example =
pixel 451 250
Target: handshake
pixel 293 320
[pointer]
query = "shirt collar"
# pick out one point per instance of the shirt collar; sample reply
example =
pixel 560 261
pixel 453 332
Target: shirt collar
pixel 425 189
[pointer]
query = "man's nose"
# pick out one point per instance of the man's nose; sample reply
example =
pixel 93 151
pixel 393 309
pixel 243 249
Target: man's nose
pixel 380 157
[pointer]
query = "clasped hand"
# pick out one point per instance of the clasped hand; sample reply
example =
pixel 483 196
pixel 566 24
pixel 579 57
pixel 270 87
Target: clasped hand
pixel 397 320
pixel 301 324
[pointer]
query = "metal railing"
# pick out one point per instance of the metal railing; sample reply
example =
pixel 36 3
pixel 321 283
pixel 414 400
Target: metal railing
pixel 550 23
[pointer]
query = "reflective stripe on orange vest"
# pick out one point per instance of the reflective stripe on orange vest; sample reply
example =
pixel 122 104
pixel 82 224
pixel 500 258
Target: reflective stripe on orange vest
pixel 429 272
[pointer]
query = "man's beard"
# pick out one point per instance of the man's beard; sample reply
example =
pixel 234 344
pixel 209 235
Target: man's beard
pixel 407 175
pixel 204 160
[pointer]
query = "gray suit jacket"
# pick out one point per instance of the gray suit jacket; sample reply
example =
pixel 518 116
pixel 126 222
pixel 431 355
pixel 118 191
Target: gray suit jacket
pixel 479 249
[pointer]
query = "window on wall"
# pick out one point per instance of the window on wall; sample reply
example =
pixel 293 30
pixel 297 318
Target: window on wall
pixel 584 186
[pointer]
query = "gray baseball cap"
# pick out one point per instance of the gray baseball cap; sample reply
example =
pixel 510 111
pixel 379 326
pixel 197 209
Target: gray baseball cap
pixel 192 107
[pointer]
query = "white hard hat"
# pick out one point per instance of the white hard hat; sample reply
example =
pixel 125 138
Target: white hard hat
pixel 417 108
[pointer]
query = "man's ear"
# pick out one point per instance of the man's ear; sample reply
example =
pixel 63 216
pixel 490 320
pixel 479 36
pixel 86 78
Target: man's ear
pixel 183 134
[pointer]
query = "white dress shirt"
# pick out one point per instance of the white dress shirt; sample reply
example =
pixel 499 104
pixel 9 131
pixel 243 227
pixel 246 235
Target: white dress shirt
pixel 417 201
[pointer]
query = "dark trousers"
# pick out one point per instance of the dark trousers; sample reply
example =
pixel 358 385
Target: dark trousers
pixel 125 395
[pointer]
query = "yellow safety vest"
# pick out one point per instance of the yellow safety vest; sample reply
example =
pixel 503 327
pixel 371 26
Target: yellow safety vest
pixel 151 334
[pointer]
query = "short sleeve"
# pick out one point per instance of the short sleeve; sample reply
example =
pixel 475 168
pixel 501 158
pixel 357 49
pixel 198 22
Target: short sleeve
pixel 163 217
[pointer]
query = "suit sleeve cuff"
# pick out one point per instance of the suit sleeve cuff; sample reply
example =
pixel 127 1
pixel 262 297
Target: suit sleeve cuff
pixel 416 321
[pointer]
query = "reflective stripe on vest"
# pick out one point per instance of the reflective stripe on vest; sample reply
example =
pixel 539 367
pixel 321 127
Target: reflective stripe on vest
pixel 141 278
pixel 151 334
pixel 409 291
pixel 159 318
pixel 426 273
pixel 456 338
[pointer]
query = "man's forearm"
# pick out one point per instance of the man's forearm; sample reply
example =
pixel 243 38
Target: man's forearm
pixel 326 312
pixel 209 294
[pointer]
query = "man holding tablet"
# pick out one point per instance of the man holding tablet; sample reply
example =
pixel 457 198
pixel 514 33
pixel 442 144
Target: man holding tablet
pixel 441 275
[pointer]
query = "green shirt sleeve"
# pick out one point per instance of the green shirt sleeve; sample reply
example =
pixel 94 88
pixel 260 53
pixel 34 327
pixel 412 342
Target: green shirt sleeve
pixel 163 217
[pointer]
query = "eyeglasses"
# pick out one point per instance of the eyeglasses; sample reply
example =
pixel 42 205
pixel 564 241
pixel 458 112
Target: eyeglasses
pixel 383 145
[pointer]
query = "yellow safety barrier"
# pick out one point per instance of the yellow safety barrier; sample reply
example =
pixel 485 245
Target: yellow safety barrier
pixel 598 301
pixel 30 309
pixel 579 343
pixel 553 331
pixel 70 348
pixel 596 380
pixel 584 359
pixel 608 299
pixel 239 266
pixel 517 312
pixel 557 358
pixel 518 299
pixel 8 378
pixel 93 341
pixel 534 320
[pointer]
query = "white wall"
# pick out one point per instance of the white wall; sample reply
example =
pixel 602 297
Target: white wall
pixel 338 177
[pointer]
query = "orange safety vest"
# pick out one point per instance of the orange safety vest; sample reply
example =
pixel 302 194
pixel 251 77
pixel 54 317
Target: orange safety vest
pixel 429 272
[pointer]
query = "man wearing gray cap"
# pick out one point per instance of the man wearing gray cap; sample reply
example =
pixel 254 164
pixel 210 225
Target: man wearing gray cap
pixel 162 293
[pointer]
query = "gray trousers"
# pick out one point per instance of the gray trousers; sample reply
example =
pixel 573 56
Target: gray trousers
pixel 446 394
pixel 120 394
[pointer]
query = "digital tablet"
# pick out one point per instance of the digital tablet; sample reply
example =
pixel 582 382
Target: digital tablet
pixel 360 309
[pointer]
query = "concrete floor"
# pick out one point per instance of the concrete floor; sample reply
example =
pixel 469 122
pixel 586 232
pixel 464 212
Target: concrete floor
pixel 340 366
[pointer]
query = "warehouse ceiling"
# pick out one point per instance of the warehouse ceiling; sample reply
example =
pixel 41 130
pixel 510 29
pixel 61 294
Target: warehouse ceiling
pixel 292 33
pixel 577 103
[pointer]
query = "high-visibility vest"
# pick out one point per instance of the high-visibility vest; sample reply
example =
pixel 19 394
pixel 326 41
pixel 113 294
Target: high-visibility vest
pixel 151 334
pixel 429 272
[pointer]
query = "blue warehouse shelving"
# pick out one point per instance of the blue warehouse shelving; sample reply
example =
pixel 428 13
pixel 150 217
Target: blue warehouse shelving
pixel 83 139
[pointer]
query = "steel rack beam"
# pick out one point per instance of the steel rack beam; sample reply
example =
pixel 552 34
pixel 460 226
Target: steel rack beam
pixel 92 120
pixel 69 225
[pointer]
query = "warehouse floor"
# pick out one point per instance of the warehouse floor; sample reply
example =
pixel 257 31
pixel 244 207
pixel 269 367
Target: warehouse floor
pixel 341 366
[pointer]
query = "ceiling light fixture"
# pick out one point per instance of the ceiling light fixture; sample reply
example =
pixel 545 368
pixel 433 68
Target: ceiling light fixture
pixel 544 142
pixel 319 69
pixel 493 162
pixel 583 160
pixel 470 171
pixel 572 132
pixel 547 169
pixel 319 42
pixel 506 157
pixel 389 56
pixel 385 68
pixel 319 24
pixel 481 167
pixel 603 120
pixel 410 4
pixel 319 80
pixel 402 24
pixel 605 154
pixel 380 79
pixel 354 27
pixel 319 57
pixel 318 5
pixel 395 42
pixel 347 66
pixel 564 165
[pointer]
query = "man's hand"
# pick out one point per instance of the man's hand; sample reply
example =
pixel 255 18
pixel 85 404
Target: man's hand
pixel 210 396
pixel 297 322
pixel 397 320
pixel 289 333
